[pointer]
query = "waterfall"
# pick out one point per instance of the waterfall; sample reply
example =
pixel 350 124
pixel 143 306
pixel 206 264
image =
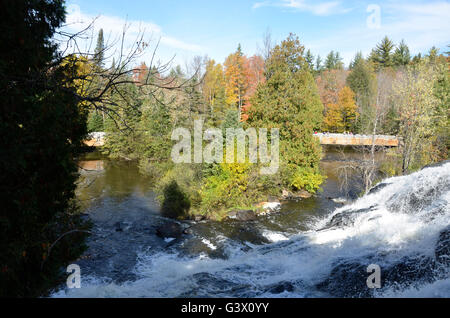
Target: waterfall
pixel 402 226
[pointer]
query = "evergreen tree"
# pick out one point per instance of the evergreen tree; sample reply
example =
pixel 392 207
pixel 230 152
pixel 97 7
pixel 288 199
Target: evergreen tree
pixel 338 64
pixel 401 56
pixel 289 100
pixel 99 53
pixel 382 55
pixel 318 66
pixel 309 58
pixel 362 81
pixel 356 60
pixel 42 128
pixel 330 61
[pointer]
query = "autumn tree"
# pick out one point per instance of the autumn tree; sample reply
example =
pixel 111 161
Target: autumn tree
pixel 235 80
pixel 255 75
pixel 214 88
pixel 341 116
pixel 414 95
pixel 329 84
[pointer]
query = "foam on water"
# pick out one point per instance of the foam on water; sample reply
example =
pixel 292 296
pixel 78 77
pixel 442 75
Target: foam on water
pixel 401 220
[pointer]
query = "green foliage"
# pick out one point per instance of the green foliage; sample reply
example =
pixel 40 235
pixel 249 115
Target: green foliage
pixel 306 178
pixel 42 128
pixel 226 188
pixel 289 100
pixel 95 122
pixel 382 55
pixel 401 56
pixel 362 81
pixel 334 61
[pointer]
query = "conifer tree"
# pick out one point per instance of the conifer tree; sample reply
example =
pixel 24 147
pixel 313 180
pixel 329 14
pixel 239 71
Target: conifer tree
pixel 99 53
pixel 289 100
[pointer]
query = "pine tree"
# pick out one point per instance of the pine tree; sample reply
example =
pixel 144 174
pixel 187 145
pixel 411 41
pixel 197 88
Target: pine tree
pixel 309 58
pixel 362 81
pixel 99 53
pixel 381 56
pixel 356 60
pixel 330 61
pixel 401 56
pixel 318 66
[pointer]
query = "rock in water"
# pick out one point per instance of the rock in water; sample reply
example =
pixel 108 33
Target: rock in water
pixel 242 215
pixel 271 206
pixel 167 230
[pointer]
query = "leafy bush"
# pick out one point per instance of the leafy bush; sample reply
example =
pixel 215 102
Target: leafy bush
pixel 307 179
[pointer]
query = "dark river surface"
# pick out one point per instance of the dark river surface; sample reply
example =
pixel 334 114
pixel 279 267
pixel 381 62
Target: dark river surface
pixel 215 259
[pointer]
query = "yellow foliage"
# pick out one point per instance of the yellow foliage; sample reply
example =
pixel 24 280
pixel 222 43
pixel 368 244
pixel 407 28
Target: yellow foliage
pixel 341 117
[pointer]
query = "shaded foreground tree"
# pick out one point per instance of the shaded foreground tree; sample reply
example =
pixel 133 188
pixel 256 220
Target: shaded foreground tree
pixel 46 94
pixel 41 130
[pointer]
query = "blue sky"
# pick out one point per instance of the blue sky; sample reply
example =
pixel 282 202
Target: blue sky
pixel 211 27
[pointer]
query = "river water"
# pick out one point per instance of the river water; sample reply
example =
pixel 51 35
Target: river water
pixel 315 247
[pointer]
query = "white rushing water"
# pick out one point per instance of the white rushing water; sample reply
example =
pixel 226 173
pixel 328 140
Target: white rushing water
pixel 396 227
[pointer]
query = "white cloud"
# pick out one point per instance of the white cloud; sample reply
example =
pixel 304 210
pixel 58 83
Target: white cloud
pixel 316 8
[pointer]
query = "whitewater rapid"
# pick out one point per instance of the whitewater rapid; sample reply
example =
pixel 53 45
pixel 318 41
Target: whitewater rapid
pixel 399 226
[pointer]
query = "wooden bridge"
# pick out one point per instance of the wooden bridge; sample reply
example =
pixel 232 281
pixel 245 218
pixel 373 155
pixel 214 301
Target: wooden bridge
pixel 95 139
pixel 357 140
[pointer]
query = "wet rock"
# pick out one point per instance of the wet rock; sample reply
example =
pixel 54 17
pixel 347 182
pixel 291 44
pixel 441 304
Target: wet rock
pixel 442 250
pixel 198 218
pixel 346 280
pixel 378 187
pixel 419 269
pixel 271 206
pixel 242 215
pixel 339 200
pixel 280 288
pixel 346 218
pixel 285 194
pixel 187 231
pixel 167 230
pixel 302 194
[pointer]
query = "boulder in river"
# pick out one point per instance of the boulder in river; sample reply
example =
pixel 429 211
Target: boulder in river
pixel 171 229
pixel 242 215
pixel 271 206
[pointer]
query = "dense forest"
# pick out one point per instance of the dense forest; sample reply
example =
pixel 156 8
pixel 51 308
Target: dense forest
pixel 51 99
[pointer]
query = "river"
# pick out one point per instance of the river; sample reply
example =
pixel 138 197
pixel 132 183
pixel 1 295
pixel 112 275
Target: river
pixel 315 247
